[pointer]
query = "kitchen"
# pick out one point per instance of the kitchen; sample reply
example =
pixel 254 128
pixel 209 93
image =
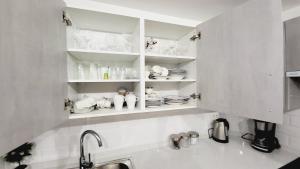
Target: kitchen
pixel 145 80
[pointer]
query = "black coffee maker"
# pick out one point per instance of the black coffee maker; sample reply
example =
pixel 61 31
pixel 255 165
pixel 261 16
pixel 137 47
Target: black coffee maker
pixel 264 137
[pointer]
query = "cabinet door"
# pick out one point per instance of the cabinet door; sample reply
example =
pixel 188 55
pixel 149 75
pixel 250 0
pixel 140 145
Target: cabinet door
pixel 32 70
pixel 240 61
pixel 292 53
pixel 292 44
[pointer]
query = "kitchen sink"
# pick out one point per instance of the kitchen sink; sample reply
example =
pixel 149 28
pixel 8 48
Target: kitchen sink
pixel 116 164
pixel 124 163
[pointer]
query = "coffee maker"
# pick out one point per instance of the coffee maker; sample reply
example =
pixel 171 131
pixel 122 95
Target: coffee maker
pixel 264 137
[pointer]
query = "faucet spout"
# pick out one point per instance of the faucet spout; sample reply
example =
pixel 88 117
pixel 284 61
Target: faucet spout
pixel 82 162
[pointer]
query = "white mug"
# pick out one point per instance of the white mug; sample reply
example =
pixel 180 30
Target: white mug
pixel 130 100
pixel 118 102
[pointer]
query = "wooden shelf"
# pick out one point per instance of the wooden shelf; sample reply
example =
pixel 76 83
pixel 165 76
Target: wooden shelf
pixel 104 81
pixel 293 74
pixel 168 58
pixel 166 81
pixel 171 107
pixel 103 113
pixel 112 112
pixel 93 55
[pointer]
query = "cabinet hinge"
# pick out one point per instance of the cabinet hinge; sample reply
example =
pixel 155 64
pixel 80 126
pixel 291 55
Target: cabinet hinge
pixel 69 105
pixel 66 19
pixel 194 37
pixel 196 96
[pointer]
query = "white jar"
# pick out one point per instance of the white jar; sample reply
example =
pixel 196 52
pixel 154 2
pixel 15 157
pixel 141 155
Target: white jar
pixel 194 137
pixel 130 100
pixel 118 102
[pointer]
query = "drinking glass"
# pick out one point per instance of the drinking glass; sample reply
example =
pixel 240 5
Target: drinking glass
pixel 113 73
pixel 81 75
pixel 83 71
pixel 93 71
pixel 99 72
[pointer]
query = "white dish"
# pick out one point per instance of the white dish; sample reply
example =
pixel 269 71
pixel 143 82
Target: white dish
pixel 161 77
pixel 153 106
pixel 175 97
pixel 176 77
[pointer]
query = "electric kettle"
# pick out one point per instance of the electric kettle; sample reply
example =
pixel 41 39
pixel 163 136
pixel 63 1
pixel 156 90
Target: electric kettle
pixel 219 132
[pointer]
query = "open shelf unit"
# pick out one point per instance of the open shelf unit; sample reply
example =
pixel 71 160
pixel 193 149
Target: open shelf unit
pixel 98 40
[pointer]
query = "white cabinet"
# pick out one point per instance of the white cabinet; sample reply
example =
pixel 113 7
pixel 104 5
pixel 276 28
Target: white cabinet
pixel 236 65
pixel 103 40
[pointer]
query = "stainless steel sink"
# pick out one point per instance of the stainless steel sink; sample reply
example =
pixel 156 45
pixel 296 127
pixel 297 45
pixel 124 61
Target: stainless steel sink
pixel 124 163
pixel 116 164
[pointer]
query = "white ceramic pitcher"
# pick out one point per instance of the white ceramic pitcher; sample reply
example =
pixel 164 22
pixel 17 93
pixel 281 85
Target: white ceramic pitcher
pixel 130 100
pixel 118 102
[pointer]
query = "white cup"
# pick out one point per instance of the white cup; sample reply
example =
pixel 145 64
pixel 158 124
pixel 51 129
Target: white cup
pixel 118 102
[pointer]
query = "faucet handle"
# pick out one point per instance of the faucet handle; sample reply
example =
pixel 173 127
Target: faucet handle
pixel 84 164
pixel 90 163
pixel 89 157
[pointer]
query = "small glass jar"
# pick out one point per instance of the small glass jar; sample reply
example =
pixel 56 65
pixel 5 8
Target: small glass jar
pixel 193 137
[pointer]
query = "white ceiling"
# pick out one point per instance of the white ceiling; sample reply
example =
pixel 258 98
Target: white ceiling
pixel 199 10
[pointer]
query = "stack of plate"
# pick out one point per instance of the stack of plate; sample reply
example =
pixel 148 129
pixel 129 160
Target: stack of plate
pixel 153 102
pixel 177 74
pixel 176 100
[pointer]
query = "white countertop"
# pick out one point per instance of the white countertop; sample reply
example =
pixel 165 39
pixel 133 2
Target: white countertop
pixel 212 155
pixel 208 154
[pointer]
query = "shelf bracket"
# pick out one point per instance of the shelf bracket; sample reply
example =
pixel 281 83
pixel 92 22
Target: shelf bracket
pixel 196 96
pixel 69 105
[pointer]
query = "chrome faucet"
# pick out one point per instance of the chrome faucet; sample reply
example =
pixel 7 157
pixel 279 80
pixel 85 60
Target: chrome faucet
pixel 83 164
